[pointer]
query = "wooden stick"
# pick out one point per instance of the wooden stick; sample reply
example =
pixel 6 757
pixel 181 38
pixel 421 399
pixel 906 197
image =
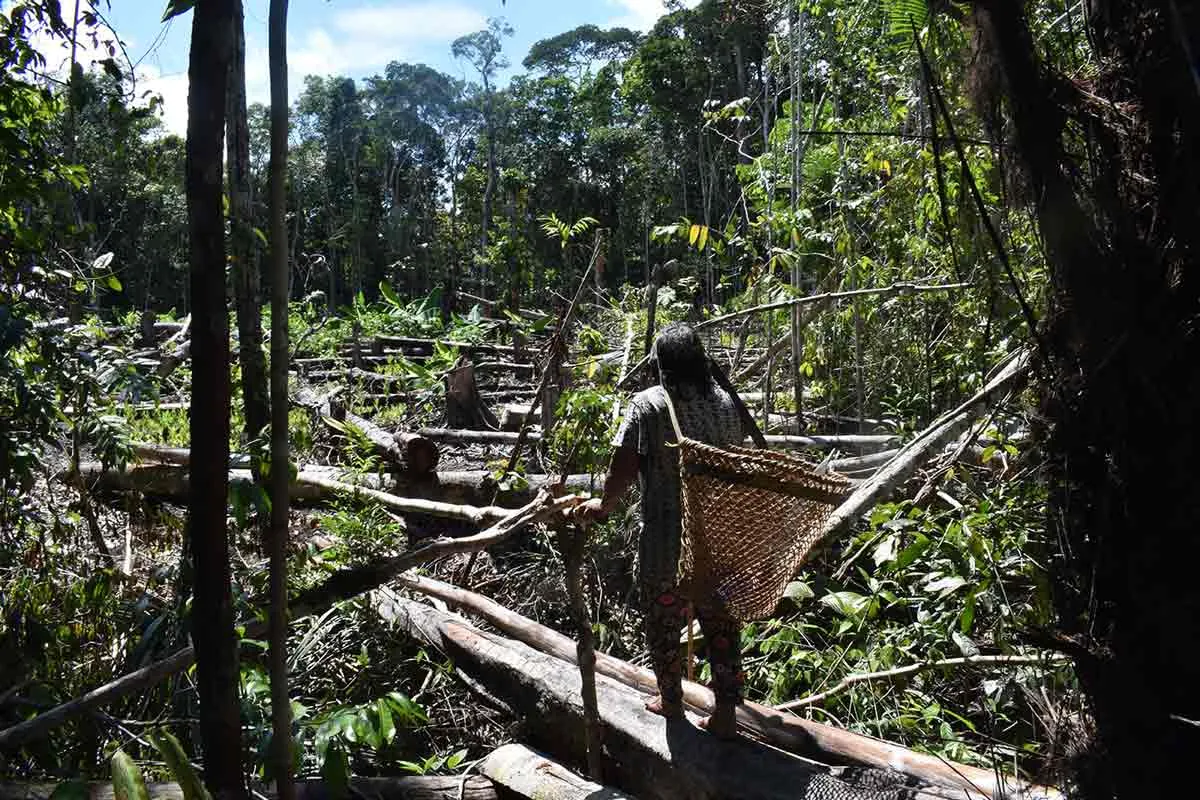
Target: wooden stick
pixel 912 669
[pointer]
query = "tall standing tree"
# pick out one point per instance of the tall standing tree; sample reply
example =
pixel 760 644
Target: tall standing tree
pixel 1120 348
pixel 242 241
pixel 212 607
pixel 484 51
pixel 281 710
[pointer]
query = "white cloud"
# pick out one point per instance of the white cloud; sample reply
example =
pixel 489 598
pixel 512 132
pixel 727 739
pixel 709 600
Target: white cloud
pixel 368 37
pixel 173 89
pixel 640 15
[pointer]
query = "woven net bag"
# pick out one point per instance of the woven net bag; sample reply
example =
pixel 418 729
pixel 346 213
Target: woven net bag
pixel 750 519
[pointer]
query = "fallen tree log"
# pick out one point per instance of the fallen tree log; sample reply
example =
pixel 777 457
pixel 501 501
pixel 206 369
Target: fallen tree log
pixel 426 346
pixel 339 586
pixel 644 754
pixel 531 774
pixel 409 787
pixel 794 734
pixel 409 453
pixel 317 484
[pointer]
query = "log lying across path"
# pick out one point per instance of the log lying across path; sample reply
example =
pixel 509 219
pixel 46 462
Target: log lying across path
pixel 317 484
pixel 413 787
pixel 644 754
pixel 531 774
pixel 409 453
pixel 794 734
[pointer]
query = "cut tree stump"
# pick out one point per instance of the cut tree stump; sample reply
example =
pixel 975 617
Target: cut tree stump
pixel 644 754
pixel 409 787
pixel 531 774
pixel 464 407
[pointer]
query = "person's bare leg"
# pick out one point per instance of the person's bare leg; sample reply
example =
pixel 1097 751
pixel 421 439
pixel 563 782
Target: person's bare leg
pixel 656 705
pixel 722 723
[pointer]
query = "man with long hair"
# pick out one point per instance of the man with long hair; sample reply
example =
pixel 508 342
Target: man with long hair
pixel 706 413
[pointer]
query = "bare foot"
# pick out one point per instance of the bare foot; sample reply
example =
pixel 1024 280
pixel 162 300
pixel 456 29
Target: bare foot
pixel 722 723
pixel 655 705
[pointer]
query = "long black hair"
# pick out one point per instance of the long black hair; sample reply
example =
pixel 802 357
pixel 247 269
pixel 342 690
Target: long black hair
pixel 678 355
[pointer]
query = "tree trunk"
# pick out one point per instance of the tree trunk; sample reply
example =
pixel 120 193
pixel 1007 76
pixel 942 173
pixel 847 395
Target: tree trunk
pixel 1121 347
pixel 247 294
pixel 211 619
pixel 277 541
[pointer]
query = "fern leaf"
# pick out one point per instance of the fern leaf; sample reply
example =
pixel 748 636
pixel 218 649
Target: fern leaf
pixel 905 17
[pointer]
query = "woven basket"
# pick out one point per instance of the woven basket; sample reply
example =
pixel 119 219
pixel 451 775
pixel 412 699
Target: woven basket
pixel 750 519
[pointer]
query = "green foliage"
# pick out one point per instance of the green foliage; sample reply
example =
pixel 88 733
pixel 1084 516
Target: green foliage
pixel 127 778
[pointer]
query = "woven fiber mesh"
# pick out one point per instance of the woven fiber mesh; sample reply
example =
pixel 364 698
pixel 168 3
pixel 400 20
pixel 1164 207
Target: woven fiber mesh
pixel 750 519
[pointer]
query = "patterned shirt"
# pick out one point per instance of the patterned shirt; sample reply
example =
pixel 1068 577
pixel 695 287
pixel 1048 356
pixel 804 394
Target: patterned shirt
pixel 711 418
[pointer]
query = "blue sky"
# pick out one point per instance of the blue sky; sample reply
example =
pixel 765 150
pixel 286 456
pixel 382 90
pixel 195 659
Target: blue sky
pixel 348 37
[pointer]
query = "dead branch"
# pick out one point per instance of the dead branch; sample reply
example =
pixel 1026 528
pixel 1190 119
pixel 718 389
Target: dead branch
pixel 897 673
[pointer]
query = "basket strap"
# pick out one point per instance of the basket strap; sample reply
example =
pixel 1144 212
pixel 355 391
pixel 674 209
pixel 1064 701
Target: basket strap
pixel 679 437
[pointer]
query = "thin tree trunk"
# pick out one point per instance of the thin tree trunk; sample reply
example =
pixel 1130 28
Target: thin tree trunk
pixel 281 711
pixel 245 254
pixel 212 607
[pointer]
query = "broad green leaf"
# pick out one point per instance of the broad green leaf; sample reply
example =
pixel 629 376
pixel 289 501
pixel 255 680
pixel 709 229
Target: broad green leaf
pixel 798 591
pixel 456 758
pixel 848 604
pixel 911 553
pixel 177 761
pixel 113 283
pixel 946 585
pixel 127 780
pixel 703 240
pixel 177 7
pixel 387 727
pixel 885 551
pixel 388 293
pixel 693 234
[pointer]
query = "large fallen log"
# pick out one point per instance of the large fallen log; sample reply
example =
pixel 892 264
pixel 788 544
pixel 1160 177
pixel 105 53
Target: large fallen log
pixel 644 754
pixel 531 774
pixel 316 484
pixel 340 586
pixel 426 346
pixel 410 787
pixel 794 734
pixel 409 453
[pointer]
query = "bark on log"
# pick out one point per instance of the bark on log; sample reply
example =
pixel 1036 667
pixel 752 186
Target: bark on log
pixel 315 484
pixel 794 734
pixel 644 754
pixel 409 787
pixel 406 452
pixel 531 774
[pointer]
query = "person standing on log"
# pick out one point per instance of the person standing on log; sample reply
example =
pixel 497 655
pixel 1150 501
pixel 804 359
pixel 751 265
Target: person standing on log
pixel 706 413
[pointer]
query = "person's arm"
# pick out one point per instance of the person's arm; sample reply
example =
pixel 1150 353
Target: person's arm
pixel 622 472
